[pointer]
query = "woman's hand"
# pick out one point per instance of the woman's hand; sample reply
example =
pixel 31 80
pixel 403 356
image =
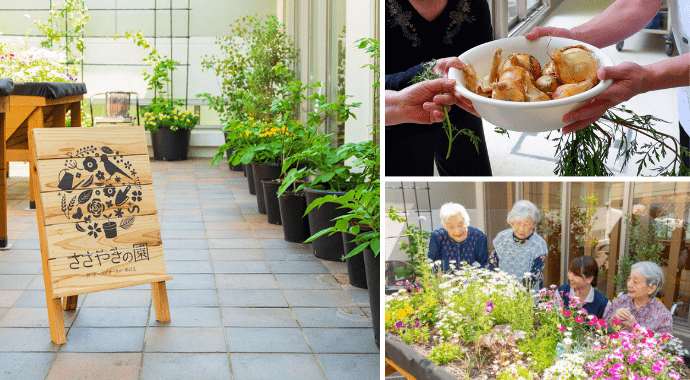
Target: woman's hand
pixel 542 31
pixel 441 68
pixel 625 316
pixel 628 81
pixel 420 103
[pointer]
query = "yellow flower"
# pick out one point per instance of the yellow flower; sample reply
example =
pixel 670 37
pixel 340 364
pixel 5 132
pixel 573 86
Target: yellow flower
pixel 175 117
pixel 187 120
pixel 409 310
pixel 388 317
pixel 250 119
pixel 401 314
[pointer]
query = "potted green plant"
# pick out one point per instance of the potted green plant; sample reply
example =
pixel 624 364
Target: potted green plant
pixel 326 167
pixel 170 128
pixel 256 61
pixel 363 219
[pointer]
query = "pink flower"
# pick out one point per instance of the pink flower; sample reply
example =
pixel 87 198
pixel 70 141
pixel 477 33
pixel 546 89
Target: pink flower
pixel 616 321
pixel 602 323
pixel 561 328
pixel 673 375
pixel 566 313
pixel 579 319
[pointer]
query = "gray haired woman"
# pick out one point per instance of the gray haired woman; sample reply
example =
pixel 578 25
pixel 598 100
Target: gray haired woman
pixel 518 250
pixel 639 306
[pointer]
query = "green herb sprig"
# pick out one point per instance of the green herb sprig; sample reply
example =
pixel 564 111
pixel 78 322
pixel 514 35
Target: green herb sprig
pixel 586 152
pixel 451 131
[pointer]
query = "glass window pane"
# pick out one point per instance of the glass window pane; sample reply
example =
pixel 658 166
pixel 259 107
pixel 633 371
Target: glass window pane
pixel 657 232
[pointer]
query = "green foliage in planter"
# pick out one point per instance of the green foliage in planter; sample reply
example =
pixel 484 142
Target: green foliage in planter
pixel 171 118
pixel 317 157
pixel 161 112
pixel 445 352
pixel 257 59
pixel 541 349
pixel 327 166
pixel 644 245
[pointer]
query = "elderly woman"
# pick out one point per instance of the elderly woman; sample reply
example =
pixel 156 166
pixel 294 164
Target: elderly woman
pixel 639 305
pixel 518 250
pixel 582 275
pixel 456 241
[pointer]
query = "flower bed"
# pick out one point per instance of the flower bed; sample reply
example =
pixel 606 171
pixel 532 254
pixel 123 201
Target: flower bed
pixel 481 324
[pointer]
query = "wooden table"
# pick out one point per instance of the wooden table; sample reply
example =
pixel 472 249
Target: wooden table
pixel 6 87
pixel 33 107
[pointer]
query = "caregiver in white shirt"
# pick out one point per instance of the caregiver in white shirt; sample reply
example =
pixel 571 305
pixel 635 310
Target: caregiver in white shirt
pixel 619 21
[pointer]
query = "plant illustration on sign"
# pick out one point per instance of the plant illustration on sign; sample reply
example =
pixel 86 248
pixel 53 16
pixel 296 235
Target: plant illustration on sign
pixel 94 166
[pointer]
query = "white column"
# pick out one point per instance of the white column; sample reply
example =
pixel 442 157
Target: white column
pixel 358 80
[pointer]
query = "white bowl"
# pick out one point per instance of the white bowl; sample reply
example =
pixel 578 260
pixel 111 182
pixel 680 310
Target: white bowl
pixel 525 116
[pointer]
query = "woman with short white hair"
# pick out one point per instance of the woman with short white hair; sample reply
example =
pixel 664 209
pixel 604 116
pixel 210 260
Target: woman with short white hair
pixel 638 305
pixel 456 241
pixel 518 250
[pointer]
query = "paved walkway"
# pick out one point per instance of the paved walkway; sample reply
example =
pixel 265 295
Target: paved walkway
pixel 244 303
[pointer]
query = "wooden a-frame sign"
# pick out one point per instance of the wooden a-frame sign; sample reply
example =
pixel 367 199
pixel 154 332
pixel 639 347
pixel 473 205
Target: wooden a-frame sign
pixel 97 216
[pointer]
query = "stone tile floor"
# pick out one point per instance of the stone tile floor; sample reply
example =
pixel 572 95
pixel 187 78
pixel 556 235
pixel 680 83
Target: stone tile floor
pixel 244 303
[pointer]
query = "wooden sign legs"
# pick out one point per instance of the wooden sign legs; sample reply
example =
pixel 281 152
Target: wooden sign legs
pixel 160 301
pixel 159 293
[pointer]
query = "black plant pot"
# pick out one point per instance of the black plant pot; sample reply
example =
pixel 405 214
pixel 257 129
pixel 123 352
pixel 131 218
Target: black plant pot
pixel 170 145
pixel 356 271
pixel 261 172
pixel 271 186
pixel 292 207
pixel 228 152
pixel 373 264
pixel 249 173
pixel 327 247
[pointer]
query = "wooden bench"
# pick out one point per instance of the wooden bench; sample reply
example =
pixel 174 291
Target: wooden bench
pixel 38 105
pixel 97 216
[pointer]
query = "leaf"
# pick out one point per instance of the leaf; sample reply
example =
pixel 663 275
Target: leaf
pixel 107 150
pixel 127 223
pixel 88 182
pixel 80 228
pixel 85 196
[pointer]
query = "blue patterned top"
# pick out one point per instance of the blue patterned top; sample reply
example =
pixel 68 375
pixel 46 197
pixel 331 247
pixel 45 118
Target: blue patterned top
pixel 520 258
pixel 473 248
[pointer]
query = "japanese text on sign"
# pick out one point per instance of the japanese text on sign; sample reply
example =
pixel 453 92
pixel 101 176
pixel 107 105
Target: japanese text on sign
pixel 139 252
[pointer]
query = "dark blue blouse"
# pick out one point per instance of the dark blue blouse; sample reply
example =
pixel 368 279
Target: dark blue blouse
pixel 473 248
pixel 596 307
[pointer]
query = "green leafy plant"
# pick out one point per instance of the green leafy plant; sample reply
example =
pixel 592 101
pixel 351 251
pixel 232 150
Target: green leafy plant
pixel 541 349
pixel 162 112
pixel 445 352
pixel 644 245
pixel 257 59
pixel 65 29
pixel 452 132
pixel 363 219
pixel 319 160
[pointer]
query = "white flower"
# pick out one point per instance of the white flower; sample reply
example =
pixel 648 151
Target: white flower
pixel 422 219
pixel 26 16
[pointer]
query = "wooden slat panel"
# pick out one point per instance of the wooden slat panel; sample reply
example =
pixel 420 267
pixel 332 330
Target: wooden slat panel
pixel 61 174
pixel 112 202
pixel 65 240
pixel 71 142
pixel 4 104
pixel 27 100
pixel 14 155
pixel 88 275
